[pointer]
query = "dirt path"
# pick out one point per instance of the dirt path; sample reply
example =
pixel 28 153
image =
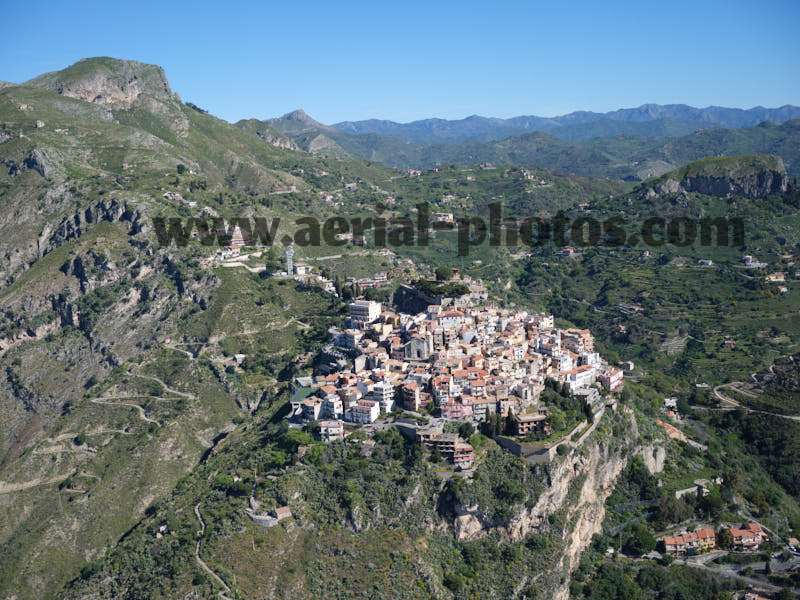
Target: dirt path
pixel 139 409
pixel 7 488
pixel 168 389
pixel 182 351
pixel 202 564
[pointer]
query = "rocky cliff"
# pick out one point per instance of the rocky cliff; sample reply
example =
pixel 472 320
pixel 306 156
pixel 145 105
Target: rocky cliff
pixel 580 484
pixel 118 84
pixel 749 176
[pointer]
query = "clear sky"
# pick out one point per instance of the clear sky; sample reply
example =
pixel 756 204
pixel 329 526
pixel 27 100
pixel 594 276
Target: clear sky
pixel 408 60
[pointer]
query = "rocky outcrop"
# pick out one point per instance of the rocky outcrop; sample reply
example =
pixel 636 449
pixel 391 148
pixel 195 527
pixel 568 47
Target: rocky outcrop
pixel 44 162
pixel 751 177
pixel 113 211
pixel 275 139
pixel 118 84
pixel 754 185
pixel 321 143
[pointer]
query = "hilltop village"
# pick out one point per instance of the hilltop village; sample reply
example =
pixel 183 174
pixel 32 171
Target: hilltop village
pixel 460 360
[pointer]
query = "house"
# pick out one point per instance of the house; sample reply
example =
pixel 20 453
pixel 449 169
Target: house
pixel 752 263
pixel 282 512
pixel 446 218
pixel 364 412
pixel 777 277
pixel 411 395
pixel 237 241
pixel 463 455
pixel 690 543
pixel 311 409
pixel 332 406
pixel 331 431
pixel 748 538
pixel 383 394
pixel 580 377
pixel 530 423
pixel 455 410
pixel 611 378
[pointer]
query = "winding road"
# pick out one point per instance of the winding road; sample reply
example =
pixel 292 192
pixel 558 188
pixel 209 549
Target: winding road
pixel 733 404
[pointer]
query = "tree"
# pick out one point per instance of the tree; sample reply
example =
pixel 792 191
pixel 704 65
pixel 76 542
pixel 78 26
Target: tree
pixel 639 540
pixel 672 510
pixel 337 285
pixel 712 504
pixel 725 539
pixel 465 430
pixel 272 260
pixel 442 273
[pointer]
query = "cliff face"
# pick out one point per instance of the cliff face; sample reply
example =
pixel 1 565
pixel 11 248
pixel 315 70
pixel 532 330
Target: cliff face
pixel 752 185
pixel 118 84
pixel 581 482
pixel 752 177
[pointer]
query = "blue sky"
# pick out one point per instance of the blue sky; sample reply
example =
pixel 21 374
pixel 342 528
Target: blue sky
pixel 410 60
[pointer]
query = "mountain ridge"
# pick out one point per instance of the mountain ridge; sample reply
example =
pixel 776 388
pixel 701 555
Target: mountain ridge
pixel 480 127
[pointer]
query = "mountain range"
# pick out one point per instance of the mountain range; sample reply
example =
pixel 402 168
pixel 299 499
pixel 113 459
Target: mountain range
pixel 651 120
pixel 626 144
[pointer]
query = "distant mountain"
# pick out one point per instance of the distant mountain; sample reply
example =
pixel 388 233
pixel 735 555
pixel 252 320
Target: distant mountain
pixel 651 120
pixel 303 132
pixel 297 121
pixel 618 156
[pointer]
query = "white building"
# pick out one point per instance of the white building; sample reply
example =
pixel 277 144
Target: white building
pixel 331 431
pixel 580 377
pixel 383 394
pixel 364 412
pixel 364 312
pixel 332 407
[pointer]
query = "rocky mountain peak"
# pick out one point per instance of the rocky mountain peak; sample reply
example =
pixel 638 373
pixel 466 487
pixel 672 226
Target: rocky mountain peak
pixel 297 121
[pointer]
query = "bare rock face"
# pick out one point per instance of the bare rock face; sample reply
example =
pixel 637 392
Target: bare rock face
pixel 44 162
pixel 118 84
pixel 580 483
pixel 467 527
pixel 278 141
pixel 753 185
pixel 725 177
pixel 654 458
pixel 320 143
